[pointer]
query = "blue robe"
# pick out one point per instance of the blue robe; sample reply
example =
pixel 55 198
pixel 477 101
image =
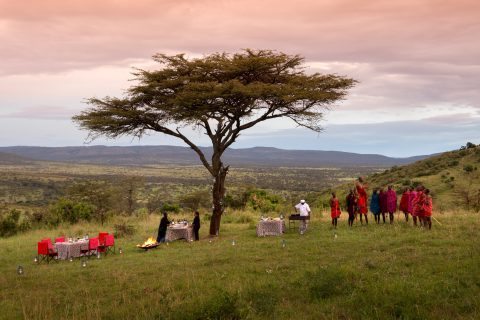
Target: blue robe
pixel 375 204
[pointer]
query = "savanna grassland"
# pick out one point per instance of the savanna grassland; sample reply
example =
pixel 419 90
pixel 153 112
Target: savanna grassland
pixel 366 272
pixel 38 183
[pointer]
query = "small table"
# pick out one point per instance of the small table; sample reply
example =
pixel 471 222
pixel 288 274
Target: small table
pixel 270 228
pixel 296 217
pixel 67 250
pixel 181 232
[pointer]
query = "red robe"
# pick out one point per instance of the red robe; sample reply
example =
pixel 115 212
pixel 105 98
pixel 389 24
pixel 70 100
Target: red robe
pixel 391 201
pixel 428 207
pixel 404 201
pixel 419 204
pixel 383 202
pixel 362 199
pixel 335 208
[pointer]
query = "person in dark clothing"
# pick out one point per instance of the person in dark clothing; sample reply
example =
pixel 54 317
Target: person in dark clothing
pixel 383 203
pixel 196 225
pixel 351 207
pixel 375 205
pixel 162 228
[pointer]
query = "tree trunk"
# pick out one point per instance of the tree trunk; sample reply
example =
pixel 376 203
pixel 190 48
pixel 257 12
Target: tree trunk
pixel 218 194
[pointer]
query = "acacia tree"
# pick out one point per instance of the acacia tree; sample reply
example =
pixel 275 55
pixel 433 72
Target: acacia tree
pixel 221 94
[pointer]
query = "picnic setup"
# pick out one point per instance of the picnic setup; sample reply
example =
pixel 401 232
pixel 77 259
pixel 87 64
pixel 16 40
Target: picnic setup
pixel 71 248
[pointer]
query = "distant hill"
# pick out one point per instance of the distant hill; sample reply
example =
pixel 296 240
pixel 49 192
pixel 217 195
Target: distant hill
pixel 8 158
pixel 453 178
pixel 258 156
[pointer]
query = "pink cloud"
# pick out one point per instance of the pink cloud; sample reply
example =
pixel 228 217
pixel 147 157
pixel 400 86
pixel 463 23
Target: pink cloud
pixel 54 35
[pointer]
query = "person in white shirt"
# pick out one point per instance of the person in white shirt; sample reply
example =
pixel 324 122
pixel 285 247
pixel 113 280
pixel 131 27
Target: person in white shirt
pixel 304 210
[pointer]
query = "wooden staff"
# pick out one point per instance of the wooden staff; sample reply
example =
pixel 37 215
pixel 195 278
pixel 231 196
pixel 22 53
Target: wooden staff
pixel 436 220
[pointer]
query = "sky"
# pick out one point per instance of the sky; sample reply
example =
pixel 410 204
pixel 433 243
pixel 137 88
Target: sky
pixel 417 63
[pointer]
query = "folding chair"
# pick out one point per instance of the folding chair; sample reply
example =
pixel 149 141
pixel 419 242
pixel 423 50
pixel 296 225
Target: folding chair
pixel 60 239
pixel 44 253
pixel 109 244
pixel 92 247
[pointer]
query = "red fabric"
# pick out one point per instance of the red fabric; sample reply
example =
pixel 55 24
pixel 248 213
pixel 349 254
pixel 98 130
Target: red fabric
pixel 335 208
pixel 404 201
pixel 101 237
pixel 428 207
pixel 391 201
pixel 419 204
pixel 42 248
pixel 362 199
pixel 412 197
pixel 383 202
pixel 109 240
pixel 49 243
pixel 60 239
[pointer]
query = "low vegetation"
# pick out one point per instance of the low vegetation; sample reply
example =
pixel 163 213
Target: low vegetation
pixel 385 271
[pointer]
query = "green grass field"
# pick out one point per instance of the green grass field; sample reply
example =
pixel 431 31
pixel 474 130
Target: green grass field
pixel 367 272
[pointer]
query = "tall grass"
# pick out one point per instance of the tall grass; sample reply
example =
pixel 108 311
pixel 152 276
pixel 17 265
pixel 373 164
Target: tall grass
pixel 374 271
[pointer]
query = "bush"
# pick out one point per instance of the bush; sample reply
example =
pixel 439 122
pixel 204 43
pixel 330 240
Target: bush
pixel 10 224
pixel 170 208
pixel 123 230
pixel 261 200
pixel 468 168
pixel 69 211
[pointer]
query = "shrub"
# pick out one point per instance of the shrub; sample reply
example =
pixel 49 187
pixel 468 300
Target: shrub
pixel 123 230
pixel 70 211
pixel 261 200
pixel 10 224
pixel 170 208
pixel 468 168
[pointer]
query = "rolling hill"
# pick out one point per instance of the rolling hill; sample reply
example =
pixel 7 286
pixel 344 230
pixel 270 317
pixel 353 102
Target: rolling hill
pixel 258 156
pixel 452 177
pixel 9 158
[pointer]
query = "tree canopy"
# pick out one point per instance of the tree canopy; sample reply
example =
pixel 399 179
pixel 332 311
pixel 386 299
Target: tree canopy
pixel 222 94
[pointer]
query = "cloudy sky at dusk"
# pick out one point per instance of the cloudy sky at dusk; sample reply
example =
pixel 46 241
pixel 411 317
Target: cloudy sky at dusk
pixel 418 63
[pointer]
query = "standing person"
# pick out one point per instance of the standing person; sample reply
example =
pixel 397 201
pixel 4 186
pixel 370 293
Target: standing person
pixel 362 206
pixel 413 195
pixel 335 211
pixel 391 202
pixel 375 205
pixel 304 209
pixel 351 207
pixel 383 203
pixel 404 203
pixel 162 228
pixel 196 225
pixel 428 208
pixel 419 205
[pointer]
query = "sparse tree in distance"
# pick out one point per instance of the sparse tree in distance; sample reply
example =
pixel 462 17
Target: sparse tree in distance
pixel 221 94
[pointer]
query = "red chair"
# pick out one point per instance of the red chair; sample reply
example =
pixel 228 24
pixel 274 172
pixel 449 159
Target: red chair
pixel 101 238
pixel 109 244
pixel 49 242
pixel 44 253
pixel 92 247
pixel 60 239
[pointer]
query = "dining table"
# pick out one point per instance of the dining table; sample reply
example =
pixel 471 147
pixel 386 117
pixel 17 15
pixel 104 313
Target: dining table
pixel 71 249
pixel 270 227
pixel 179 231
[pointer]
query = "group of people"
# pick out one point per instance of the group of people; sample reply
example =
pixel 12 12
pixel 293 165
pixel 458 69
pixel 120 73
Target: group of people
pixel 415 202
